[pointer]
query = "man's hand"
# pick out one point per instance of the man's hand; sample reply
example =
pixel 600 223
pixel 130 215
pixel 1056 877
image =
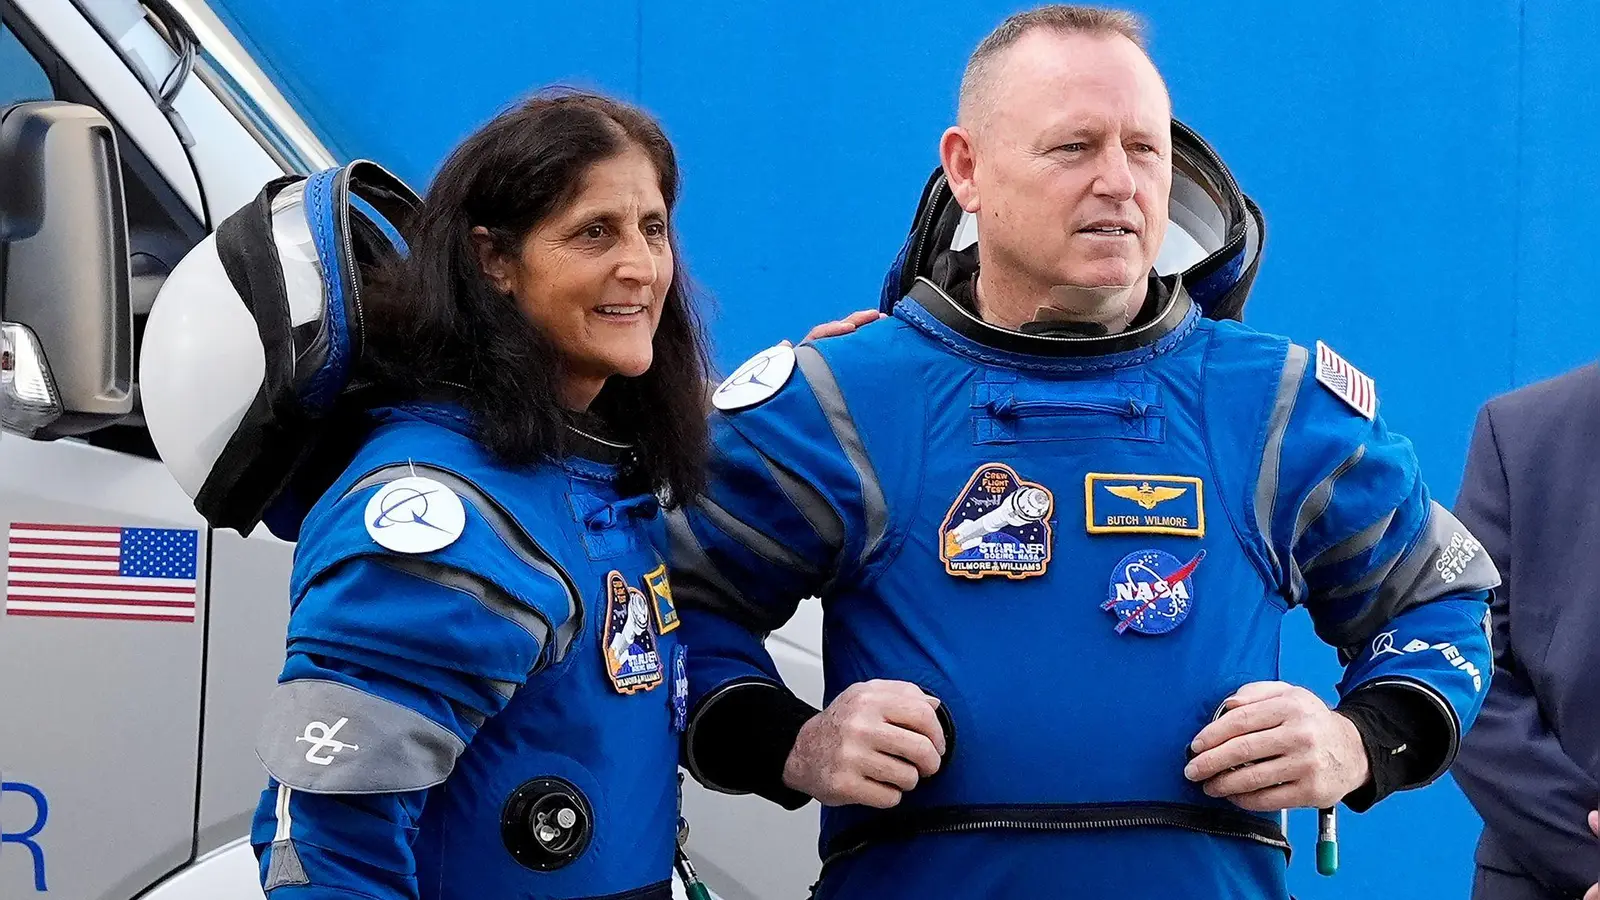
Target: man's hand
pixel 1594 825
pixel 845 325
pixel 873 743
pixel 1278 746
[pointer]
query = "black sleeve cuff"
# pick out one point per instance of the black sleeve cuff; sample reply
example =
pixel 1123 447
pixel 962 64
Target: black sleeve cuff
pixel 740 737
pixel 1408 740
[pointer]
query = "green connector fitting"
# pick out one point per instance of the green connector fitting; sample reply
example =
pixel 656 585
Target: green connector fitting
pixel 1327 857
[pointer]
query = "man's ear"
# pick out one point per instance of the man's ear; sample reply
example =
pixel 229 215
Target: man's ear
pixel 960 160
pixel 490 261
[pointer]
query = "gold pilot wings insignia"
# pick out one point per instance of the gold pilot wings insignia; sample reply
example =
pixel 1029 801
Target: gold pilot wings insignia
pixel 1146 496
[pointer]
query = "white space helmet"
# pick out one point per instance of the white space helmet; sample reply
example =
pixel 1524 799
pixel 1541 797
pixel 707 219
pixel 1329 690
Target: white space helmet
pixel 255 335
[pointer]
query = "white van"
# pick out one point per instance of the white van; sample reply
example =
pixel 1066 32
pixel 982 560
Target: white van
pixel 131 681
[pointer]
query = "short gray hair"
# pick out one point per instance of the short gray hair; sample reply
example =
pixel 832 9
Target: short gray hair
pixel 1058 17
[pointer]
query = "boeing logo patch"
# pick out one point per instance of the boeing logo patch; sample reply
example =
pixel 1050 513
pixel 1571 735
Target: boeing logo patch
pixel 998 525
pixel 1152 592
pixel 755 381
pixel 1144 504
pixel 415 515
pixel 1384 644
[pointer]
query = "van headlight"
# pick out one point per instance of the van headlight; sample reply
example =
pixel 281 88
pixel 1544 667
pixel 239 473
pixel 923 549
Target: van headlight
pixel 28 398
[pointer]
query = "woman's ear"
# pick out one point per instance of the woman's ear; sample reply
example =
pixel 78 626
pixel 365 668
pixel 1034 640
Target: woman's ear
pixel 490 261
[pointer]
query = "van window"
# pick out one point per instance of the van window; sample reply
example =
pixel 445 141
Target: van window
pixel 21 76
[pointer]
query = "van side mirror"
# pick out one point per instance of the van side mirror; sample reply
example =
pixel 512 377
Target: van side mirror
pixel 66 318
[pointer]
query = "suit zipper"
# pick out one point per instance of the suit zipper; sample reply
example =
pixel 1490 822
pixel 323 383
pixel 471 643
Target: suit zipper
pixel 355 283
pixel 915 262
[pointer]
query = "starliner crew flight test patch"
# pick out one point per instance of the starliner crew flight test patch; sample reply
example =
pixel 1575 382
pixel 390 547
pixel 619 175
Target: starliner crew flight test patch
pixel 998 525
pixel 628 638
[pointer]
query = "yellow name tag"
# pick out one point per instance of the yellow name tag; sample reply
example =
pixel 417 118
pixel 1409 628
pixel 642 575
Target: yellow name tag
pixel 1144 504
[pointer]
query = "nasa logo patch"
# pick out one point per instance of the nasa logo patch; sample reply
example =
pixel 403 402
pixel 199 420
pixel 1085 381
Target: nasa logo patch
pixel 1152 592
pixel 758 379
pixel 998 525
pixel 415 515
pixel 680 688
pixel 633 662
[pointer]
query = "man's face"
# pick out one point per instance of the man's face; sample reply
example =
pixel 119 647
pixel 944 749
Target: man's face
pixel 1073 162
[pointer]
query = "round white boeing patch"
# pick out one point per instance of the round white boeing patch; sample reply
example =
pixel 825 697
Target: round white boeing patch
pixel 759 378
pixel 415 515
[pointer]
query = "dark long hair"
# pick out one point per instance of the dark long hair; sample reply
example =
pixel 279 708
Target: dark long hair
pixel 435 317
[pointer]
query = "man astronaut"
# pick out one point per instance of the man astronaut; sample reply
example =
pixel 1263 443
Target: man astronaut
pixel 1061 436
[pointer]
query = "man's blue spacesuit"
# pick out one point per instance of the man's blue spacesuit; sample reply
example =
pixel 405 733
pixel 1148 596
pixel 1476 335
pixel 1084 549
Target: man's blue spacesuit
pixel 483 690
pixel 1081 545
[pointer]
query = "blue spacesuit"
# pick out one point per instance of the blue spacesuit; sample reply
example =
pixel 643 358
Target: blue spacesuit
pixel 1081 545
pixel 483 692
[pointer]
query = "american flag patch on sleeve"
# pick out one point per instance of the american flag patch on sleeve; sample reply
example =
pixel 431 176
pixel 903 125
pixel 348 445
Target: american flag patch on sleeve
pixel 1346 381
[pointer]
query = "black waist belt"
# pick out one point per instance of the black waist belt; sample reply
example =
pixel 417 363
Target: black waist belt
pixel 661 890
pixel 899 824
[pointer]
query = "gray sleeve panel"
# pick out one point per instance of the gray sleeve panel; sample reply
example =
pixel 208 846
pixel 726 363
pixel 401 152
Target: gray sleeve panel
pixel 489 594
pixel 469 715
pixel 1317 500
pixel 1315 504
pixel 506 689
pixel 323 737
pixel 1446 559
pixel 753 540
pixel 510 532
pixel 1352 546
pixel 696 583
pixel 1294 370
pixel 1375 576
pixel 810 502
pixel 875 510
pixel 284 868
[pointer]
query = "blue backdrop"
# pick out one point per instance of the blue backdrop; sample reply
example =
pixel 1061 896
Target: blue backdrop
pixel 1425 169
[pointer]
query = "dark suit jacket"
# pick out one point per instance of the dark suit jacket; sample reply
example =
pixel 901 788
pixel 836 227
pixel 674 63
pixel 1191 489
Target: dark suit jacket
pixel 1531 494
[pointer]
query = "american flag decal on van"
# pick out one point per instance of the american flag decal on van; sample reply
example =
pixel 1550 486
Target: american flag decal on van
pixel 101 572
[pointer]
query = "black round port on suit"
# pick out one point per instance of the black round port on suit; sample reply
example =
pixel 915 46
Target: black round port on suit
pixel 947 724
pixel 547 823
